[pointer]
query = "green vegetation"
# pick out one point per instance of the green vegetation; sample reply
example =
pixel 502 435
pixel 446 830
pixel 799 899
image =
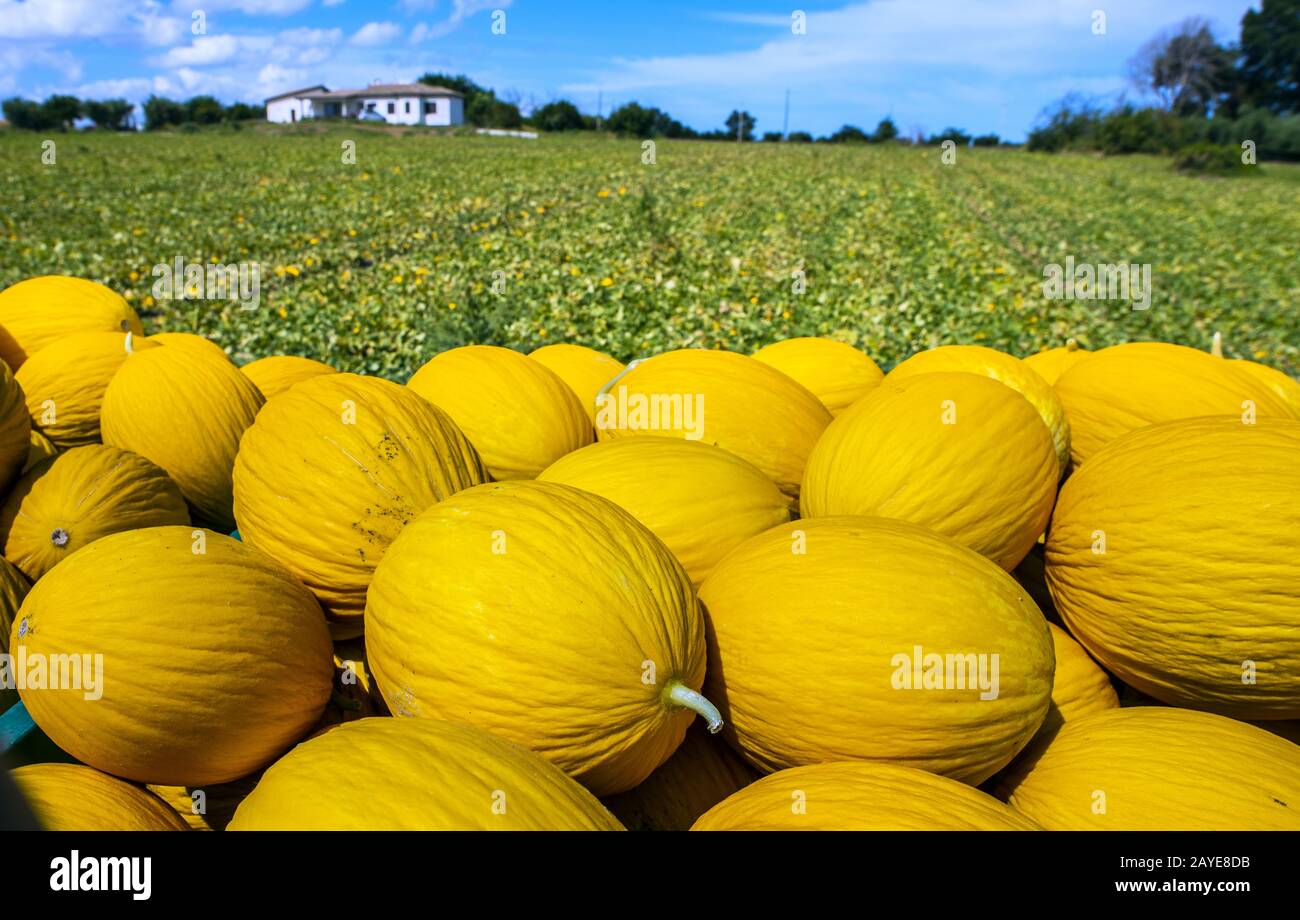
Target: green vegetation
pixel 432 241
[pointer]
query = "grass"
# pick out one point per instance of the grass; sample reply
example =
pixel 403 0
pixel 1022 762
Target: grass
pixel 432 240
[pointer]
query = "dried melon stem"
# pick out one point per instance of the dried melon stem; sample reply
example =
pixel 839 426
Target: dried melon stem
pixel 1216 345
pixel 678 694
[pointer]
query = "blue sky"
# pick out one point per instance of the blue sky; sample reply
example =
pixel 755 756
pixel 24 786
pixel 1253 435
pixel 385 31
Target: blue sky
pixel 983 65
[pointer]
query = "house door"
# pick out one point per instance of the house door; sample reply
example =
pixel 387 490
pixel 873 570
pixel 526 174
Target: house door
pixel 293 114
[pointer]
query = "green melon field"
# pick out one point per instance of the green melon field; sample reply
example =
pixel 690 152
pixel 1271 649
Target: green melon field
pixel 429 241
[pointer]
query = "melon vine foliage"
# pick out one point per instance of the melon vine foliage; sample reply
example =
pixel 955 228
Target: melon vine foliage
pixel 428 241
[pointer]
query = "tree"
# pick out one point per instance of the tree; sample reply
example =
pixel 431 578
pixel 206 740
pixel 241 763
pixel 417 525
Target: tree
pixel 741 125
pixel 885 131
pixel 633 119
pixel 1270 56
pixel 27 115
pixel 203 110
pixel 956 135
pixel 242 111
pixel 986 140
pixel 62 111
pixel 560 115
pixel 109 114
pixel 1186 69
pixel 159 112
pixel 849 134
pixel 772 137
pixel 487 111
pixel 799 137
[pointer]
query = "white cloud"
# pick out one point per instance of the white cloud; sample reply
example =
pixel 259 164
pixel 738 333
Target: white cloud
pixel 213 49
pixel 460 11
pixel 248 7
pixel 376 33
pixel 61 18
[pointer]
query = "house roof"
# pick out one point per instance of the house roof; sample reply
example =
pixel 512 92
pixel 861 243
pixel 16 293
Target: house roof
pixel 298 92
pixel 379 89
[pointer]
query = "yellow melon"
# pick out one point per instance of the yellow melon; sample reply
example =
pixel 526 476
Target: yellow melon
pixel 186 412
pixel 1125 387
pixel 277 373
pixel 80 496
pixel 1174 556
pixel 72 797
pixel 1051 363
pixel 584 369
pixel 871 639
pixel 721 398
pixel 519 415
pixel 214 659
pixel 15 429
pixel 853 796
pixel 199 343
pixel 702 772
pixel 700 500
pixel 64 383
pixel 835 372
pixel 1152 768
pixel 13 588
pixel 331 471
pixel 549 616
pixel 416 774
pixel 1080 687
pixel 1284 386
pixel 38 311
pixel 956 452
pixel 39 449
pixel 1006 369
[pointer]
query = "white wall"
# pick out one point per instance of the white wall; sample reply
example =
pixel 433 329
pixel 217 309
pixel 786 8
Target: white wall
pixel 285 110
pixel 450 109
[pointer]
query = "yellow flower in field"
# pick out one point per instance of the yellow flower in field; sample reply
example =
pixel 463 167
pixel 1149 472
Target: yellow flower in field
pixel 347 274
pixel 314 241
pixel 575 271
pixel 541 333
pixel 352 233
pixel 606 282
pixel 355 328
pixel 397 279
pixel 1260 354
pixel 421 272
pixel 309 262
pixel 603 193
pixel 451 306
pixel 785 314
pixel 137 232
pixel 540 209
pixel 283 312
pixel 753 300
pixel 293 270
pixel 134 276
pixel 148 300
pixel 622 189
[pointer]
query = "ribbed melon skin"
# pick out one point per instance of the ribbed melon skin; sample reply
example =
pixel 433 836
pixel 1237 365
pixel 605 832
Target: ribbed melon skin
pixel 15 429
pixel 584 369
pixel 1006 369
pixel 1125 387
pixel 856 796
pixel 802 646
pixel 1284 386
pixel 699 499
pixel 1054 362
pixel 39 449
pixel 702 772
pixel 64 383
pixel 749 408
pixel 184 411
pixel 518 414
pixel 1080 686
pixel 1201 521
pixel 72 797
pixel 38 311
pixel 1152 768
pixel 201 344
pixel 78 497
pixel 333 469
pixel 217 803
pixel 277 373
pixel 990 470
pixel 835 372
pixel 416 774
pixel 213 663
pixel 13 588
pixel 545 640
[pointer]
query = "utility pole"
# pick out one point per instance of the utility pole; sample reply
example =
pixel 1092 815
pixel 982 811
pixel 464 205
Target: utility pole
pixel 600 106
pixel 785 121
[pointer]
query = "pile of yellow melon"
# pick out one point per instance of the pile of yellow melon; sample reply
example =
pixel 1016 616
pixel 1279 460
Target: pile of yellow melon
pixel 705 590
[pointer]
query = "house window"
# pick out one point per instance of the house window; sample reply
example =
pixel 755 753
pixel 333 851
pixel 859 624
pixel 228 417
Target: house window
pixel 431 108
pixel 408 107
pixel 370 106
pixel 392 108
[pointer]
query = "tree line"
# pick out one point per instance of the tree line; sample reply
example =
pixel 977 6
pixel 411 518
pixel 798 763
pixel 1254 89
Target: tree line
pixel 1211 97
pixel 61 112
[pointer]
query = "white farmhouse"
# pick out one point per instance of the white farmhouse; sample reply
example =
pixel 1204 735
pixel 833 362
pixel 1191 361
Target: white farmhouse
pixel 395 103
